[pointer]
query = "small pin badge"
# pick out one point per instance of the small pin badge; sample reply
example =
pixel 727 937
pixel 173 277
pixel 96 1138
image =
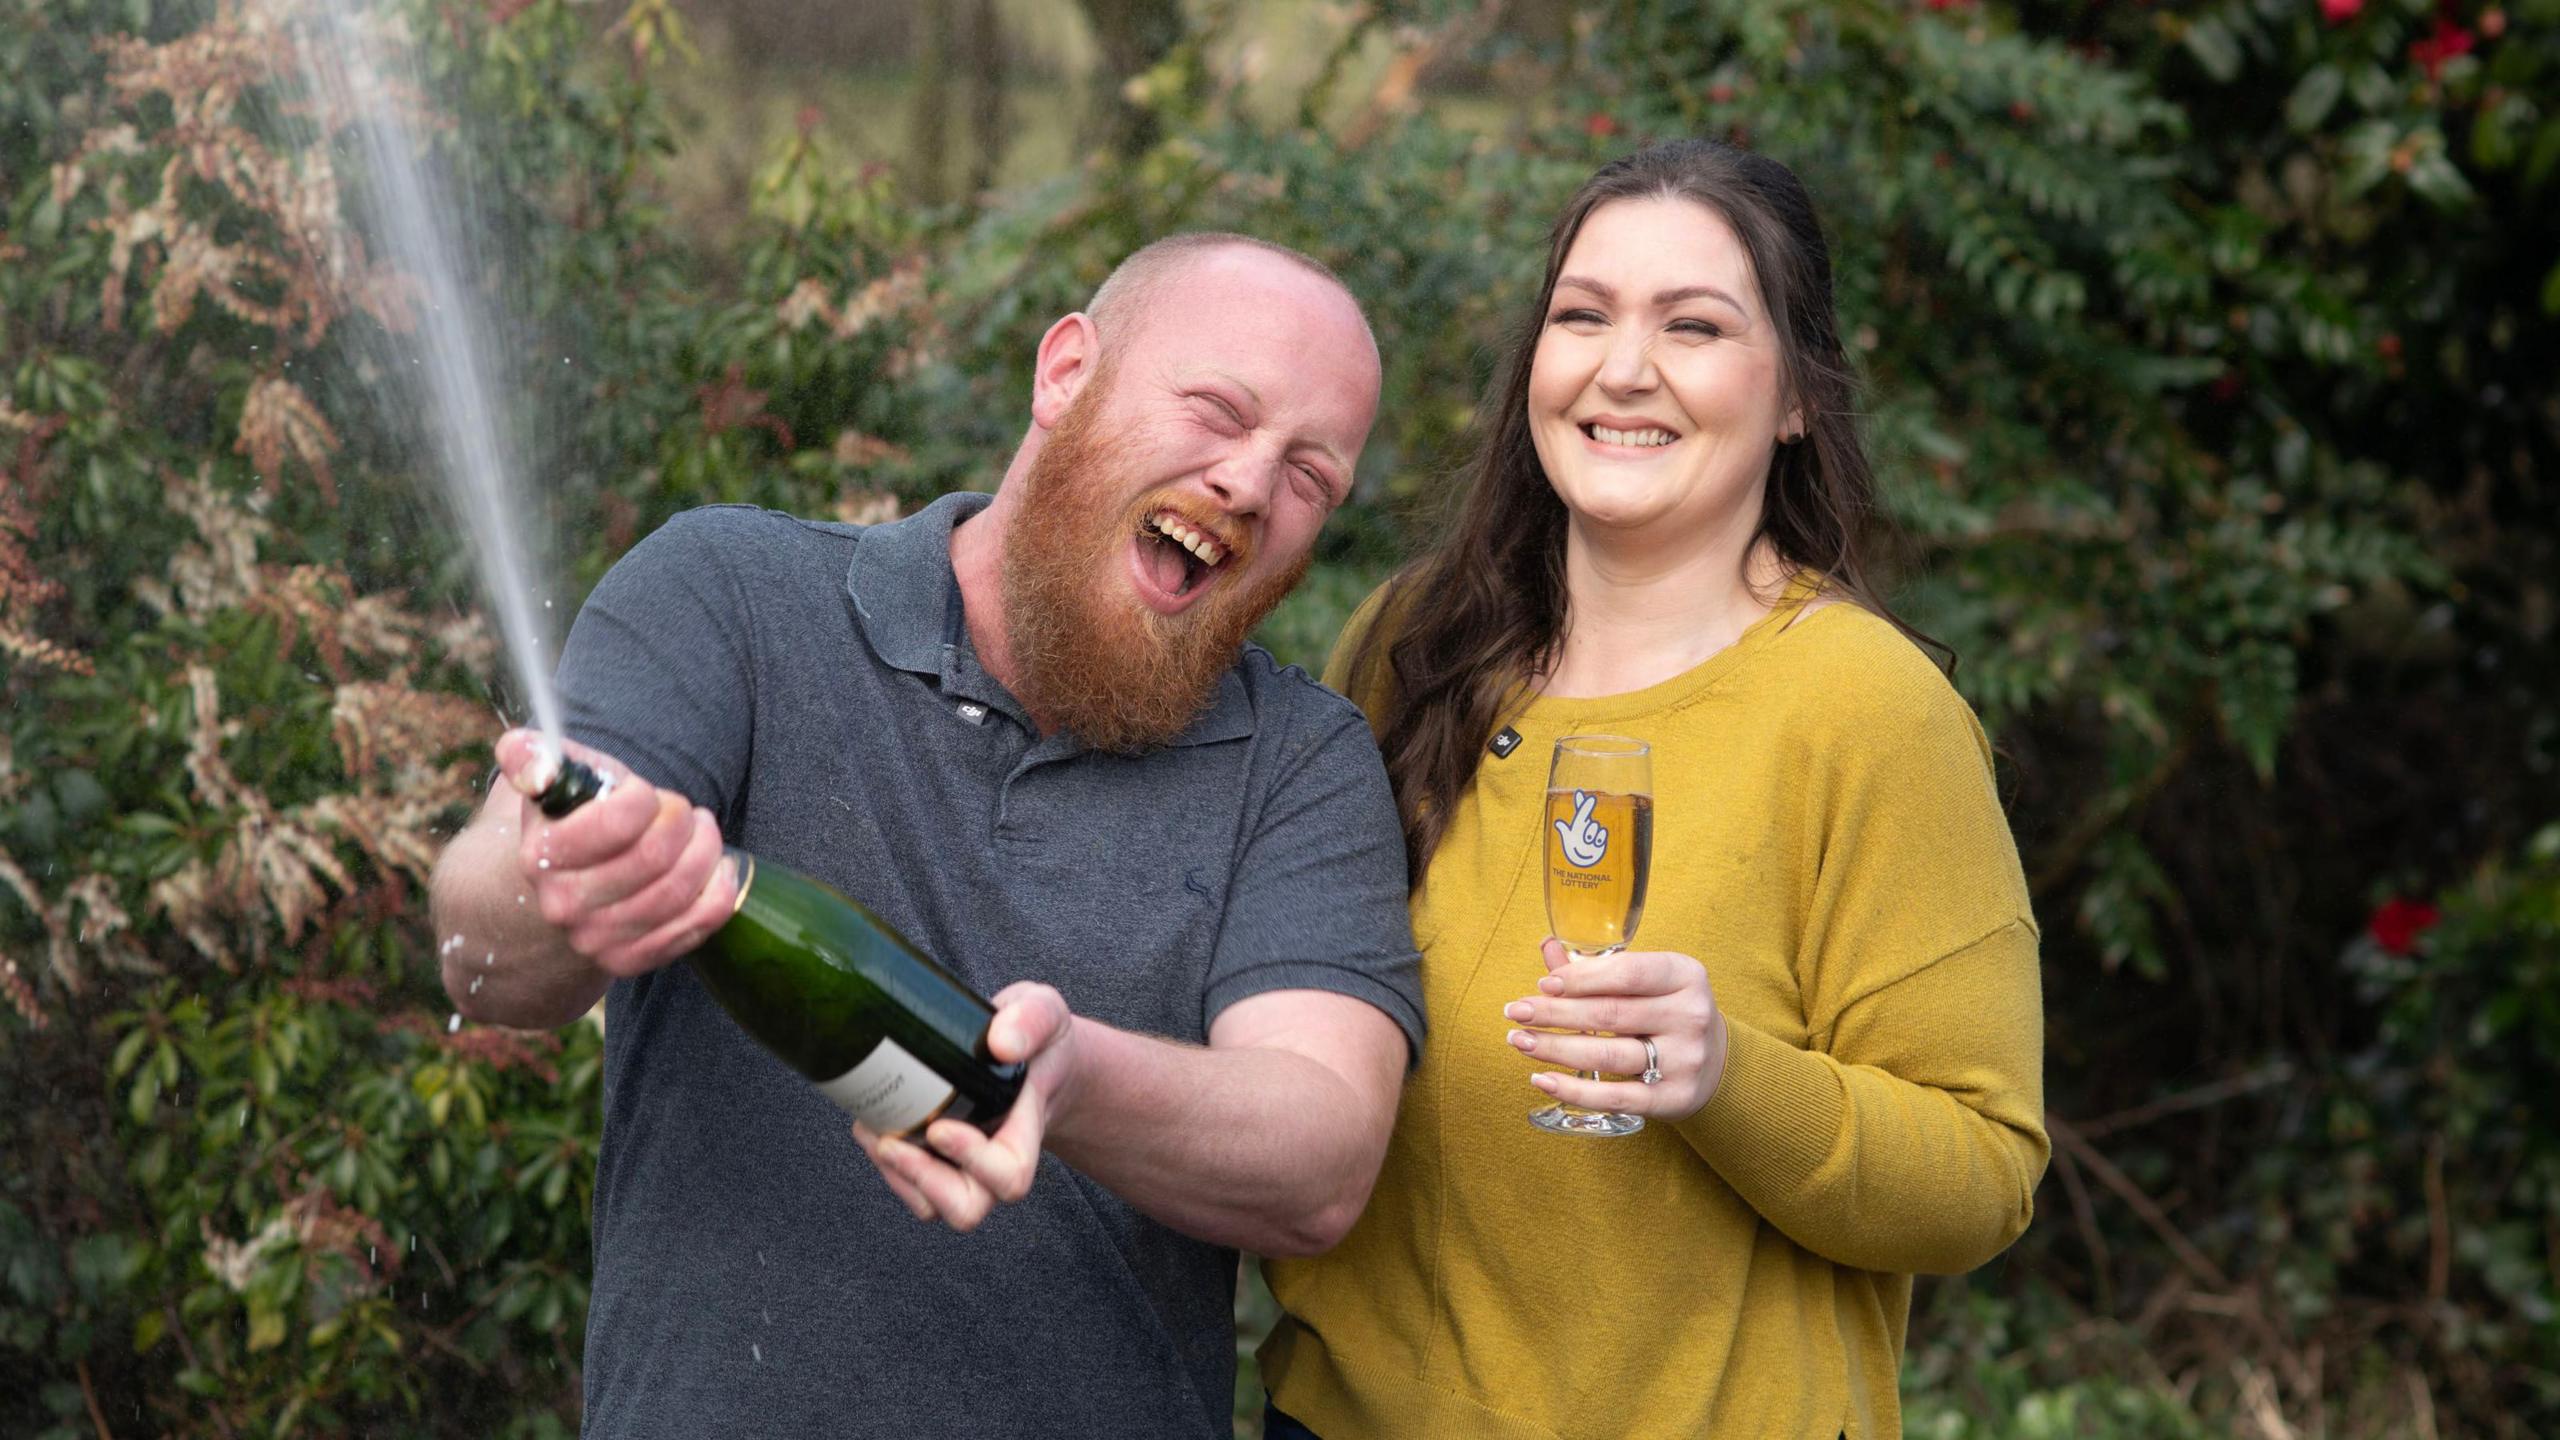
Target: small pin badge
pixel 1504 742
pixel 974 713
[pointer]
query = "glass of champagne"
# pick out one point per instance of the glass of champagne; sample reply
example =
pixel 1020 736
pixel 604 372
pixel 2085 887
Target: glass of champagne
pixel 1599 843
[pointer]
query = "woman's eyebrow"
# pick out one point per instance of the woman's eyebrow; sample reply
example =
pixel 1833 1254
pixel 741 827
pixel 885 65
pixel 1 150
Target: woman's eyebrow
pixel 1694 292
pixel 1609 293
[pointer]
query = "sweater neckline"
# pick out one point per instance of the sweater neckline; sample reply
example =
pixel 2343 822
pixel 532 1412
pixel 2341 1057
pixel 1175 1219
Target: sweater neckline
pixel 1578 712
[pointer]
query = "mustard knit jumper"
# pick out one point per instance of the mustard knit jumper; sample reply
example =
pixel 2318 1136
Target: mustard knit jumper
pixel 1828 843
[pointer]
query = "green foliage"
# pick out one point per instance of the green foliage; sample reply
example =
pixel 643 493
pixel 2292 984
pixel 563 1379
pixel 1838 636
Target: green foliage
pixel 2446 1138
pixel 257 1182
pixel 1976 1375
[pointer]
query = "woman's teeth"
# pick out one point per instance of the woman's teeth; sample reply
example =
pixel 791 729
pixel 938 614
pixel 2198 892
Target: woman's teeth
pixel 1643 438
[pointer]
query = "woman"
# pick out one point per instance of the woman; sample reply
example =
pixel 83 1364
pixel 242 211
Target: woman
pixel 1835 987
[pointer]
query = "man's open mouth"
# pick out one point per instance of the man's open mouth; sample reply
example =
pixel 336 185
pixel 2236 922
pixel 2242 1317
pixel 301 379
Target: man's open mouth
pixel 1179 554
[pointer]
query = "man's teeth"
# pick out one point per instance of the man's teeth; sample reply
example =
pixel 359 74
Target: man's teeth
pixel 1607 436
pixel 1209 551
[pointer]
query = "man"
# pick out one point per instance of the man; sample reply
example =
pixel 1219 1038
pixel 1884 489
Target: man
pixel 1027 732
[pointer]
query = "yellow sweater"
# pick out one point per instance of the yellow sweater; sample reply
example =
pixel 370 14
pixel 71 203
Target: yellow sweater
pixel 1828 843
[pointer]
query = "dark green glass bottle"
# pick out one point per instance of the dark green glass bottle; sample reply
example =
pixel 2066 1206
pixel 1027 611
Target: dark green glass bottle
pixel 840 995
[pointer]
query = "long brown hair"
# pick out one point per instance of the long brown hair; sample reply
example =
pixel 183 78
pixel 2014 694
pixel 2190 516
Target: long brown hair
pixel 1459 631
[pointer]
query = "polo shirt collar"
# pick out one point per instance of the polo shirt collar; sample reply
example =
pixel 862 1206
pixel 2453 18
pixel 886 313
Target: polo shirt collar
pixel 903 589
pixel 901 582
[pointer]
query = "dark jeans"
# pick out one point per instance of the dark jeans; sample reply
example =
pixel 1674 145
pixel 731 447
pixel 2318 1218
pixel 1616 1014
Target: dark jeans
pixel 1276 1424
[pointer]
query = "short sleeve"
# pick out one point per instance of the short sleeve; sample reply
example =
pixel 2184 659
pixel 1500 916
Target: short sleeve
pixel 657 670
pixel 1318 898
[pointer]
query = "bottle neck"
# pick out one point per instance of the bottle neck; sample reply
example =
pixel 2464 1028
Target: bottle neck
pixel 574 784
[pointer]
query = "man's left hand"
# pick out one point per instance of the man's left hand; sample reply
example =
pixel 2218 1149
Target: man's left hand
pixel 960 1173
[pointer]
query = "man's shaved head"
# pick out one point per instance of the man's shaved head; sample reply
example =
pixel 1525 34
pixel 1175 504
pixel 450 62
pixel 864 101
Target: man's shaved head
pixel 1120 306
pixel 1192 428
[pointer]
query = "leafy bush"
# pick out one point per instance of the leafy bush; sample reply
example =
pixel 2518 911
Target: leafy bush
pixel 266 1185
pixel 2447 1146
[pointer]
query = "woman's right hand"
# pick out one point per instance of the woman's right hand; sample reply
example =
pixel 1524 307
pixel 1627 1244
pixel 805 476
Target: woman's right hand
pixel 633 879
pixel 1609 1005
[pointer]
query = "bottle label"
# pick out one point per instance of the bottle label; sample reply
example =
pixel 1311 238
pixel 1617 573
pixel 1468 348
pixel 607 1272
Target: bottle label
pixel 891 1092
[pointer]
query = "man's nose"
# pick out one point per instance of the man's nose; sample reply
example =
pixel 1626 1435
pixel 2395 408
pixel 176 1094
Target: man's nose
pixel 1245 481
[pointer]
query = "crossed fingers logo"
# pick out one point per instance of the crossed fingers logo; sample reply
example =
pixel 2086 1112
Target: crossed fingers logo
pixel 1585 840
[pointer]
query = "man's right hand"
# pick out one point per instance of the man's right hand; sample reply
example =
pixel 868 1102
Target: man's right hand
pixel 632 879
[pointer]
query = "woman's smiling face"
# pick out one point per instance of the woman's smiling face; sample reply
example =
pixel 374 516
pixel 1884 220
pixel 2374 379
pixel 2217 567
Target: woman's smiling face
pixel 1657 393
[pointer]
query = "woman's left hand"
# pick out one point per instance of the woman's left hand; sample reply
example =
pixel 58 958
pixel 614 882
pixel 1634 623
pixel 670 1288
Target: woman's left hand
pixel 1632 996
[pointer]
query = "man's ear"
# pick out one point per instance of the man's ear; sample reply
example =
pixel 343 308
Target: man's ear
pixel 1067 358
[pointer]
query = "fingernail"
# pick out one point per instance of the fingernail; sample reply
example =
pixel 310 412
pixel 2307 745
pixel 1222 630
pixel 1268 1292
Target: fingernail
pixel 1551 985
pixel 1544 1081
pixel 1522 1039
pixel 1518 1010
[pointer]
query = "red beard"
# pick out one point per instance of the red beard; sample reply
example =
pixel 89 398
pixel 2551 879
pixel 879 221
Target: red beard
pixel 1088 657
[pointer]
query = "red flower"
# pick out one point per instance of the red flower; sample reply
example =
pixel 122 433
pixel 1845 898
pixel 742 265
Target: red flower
pixel 2398 924
pixel 2448 41
pixel 2388 347
pixel 1600 126
pixel 1720 93
pixel 2339 12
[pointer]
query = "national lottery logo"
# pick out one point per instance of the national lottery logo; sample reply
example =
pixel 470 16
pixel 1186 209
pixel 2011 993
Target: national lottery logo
pixel 1585 840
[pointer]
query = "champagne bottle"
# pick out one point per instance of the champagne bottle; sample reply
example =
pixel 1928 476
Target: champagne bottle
pixel 837 993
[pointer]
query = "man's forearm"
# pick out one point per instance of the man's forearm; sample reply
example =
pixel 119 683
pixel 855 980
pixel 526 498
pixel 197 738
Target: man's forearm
pixel 501 962
pixel 1258 1148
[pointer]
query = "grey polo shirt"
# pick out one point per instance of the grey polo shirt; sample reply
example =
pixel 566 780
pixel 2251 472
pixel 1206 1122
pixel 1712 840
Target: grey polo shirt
pixel 814 686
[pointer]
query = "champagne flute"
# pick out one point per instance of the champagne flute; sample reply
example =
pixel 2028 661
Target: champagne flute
pixel 1598 838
